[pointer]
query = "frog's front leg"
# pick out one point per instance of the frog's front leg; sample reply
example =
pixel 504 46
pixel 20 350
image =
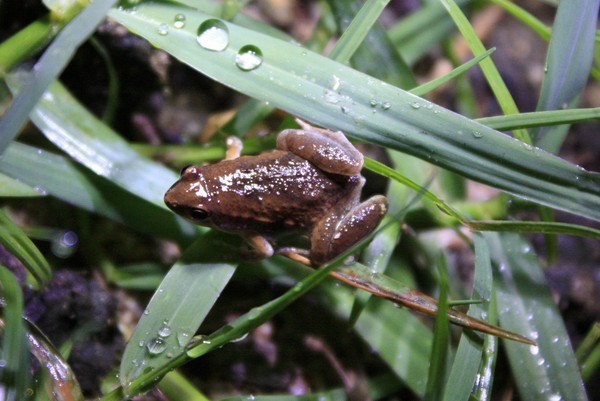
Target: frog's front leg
pixel 234 148
pixel 338 232
pixel 261 247
pixel 328 150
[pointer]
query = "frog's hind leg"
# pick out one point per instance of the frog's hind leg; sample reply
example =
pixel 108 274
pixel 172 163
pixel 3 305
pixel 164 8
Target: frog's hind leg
pixel 338 233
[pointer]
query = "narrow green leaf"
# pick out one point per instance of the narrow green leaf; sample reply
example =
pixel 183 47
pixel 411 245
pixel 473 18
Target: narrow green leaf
pixel 17 242
pixel 568 64
pixel 541 118
pixel 549 370
pixel 467 361
pixel 376 56
pixel 173 315
pixel 328 93
pixel 427 87
pixel 542 227
pixel 9 187
pixel 358 29
pixel 436 382
pixel 14 372
pixel 491 73
pixel 60 177
pixel 49 67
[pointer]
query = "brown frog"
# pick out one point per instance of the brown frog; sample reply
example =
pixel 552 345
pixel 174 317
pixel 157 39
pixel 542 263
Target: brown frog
pixel 309 185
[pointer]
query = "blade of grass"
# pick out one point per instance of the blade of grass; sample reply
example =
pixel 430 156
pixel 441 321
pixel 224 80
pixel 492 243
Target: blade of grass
pixel 541 118
pixel 503 96
pixel 14 372
pixel 357 30
pixel 549 370
pixel 303 84
pixel 568 64
pixel 11 188
pixel 436 383
pixel 542 227
pixel 49 67
pixel 176 310
pixel 437 82
pixel 17 243
pixel 88 140
pixel 60 177
pixel 466 365
pixel 376 55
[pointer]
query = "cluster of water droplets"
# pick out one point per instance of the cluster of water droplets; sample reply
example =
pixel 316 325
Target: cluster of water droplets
pixel 213 35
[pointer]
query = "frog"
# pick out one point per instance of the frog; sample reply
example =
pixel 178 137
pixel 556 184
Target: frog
pixel 309 185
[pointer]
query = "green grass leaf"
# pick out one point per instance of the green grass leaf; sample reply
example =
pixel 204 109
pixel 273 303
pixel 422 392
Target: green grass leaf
pixel 49 67
pixel 568 63
pixel 17 243
pixel 467 361
pixel 330 94
pixel 14 372
pixel 549 370
pixel 57 176
pixel 173 315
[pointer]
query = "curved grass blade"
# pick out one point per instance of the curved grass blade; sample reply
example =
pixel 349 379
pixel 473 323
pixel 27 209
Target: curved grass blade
pixel 71 127
pixel 49 67
pixel 437 82
pixel 549 370
pixel 541 118
pixel 542 227
pixel 436 382
pixel 491 73
pixel 330 94
pixel 568 64
pixel 467 361
pixel 14 372
pixel 9 188
pixel 173 315
pixel 17 243
pixel 62 178
pixel 376 55
pixel 357 30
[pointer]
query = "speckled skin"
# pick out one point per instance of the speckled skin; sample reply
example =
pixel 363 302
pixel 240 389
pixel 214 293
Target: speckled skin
pixel 316 193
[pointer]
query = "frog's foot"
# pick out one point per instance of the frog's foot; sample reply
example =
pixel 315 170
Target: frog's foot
pixel 361 220
pixel 260 247
pixel 298 254
pixel 234 148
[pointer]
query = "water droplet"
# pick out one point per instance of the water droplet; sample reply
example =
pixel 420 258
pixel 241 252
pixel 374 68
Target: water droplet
pixel 179 21
pixel 415 105
pixel 156 346
pixel 183 338
pixel 534 349
pixel 373 103
pixel 165 330
pixel 345 109
pixel 477 134
pixel 248 58
pixel 242 337
pixel 386 105
pixel 213 35
pixel 163 29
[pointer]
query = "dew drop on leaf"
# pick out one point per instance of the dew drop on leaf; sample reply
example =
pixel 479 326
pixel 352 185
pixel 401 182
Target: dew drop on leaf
pixel 249 57
pixel 213 35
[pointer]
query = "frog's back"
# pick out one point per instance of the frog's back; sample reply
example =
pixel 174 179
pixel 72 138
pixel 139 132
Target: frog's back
pixel 272 193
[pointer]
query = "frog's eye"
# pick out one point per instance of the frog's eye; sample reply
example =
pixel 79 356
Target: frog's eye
pixel 199 214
